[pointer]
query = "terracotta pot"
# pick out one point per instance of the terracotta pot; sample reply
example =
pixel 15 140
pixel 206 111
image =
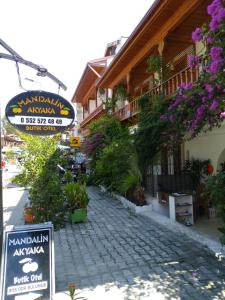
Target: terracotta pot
pixel 28 215
pixel 137 196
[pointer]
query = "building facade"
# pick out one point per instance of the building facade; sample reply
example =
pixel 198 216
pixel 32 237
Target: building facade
pixel 165 31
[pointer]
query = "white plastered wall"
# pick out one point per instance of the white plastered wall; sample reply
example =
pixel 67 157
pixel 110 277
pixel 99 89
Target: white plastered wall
pixel 210 145
pixel 92 105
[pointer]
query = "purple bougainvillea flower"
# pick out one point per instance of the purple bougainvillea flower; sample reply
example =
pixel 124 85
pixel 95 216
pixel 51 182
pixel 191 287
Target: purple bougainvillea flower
pixel 172 118
pixel 188 85
pixel 209 40
pixel 215 67
pixel 163 117
pixel 208 88
pixel 193 60
pixel 222 114
pixel 182 85
pixel 221 14
pixel 214 105
pixel 215 52
pixel 213 8
pixel 197 34
pixel 178 100
pixel 214 24
pixel 200 111
pixel 210 96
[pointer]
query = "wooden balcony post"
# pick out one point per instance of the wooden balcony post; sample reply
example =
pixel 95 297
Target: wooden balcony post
pixel 160 47
pixel 186 76
pixel 191 70
pixel 128 82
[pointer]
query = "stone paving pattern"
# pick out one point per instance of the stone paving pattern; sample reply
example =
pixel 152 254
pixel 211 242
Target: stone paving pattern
pixel 138 257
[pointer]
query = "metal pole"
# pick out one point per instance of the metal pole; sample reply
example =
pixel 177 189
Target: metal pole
pixel 1 198
pixel 41 72
pixel 18 59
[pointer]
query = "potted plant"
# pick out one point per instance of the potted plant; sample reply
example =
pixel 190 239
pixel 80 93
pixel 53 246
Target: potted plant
pixel 77 201
pixel 215 192
pixel 131 187
pixel 28 215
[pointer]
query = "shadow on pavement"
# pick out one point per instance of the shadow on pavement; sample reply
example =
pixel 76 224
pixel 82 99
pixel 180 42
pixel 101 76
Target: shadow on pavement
pixel 14 199
pixel 116 255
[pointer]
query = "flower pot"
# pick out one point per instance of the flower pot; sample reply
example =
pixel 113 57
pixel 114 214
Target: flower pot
pixel 28 215
pixel 137 196
pixel 79 215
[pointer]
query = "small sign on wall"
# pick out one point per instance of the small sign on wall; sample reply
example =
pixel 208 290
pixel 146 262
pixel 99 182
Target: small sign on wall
pixel 28 265
pixel 75 141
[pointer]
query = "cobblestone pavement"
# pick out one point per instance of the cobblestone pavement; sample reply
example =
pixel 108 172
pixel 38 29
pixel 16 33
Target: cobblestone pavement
pixel 117 255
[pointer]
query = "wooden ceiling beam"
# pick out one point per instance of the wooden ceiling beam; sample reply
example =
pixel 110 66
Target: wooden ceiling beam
pixel 170 24
pixel 181 38
pixel 85 98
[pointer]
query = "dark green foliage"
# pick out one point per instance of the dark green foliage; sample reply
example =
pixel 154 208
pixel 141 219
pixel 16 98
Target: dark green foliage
pixel 151 132
pixel 68 176
pixel 154 63
pixel 37 152
pixel 76 196
pixel 114 164
pixel 102 133
pixel 215 191
pixel 10 155
pixel 197 169
pixel 113 155
pixel 46 195
pixel 157 64
pixel 40 173
pixel 129 182
pixel 119 93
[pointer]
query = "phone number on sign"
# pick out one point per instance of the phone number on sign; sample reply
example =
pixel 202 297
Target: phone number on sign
pixel 40 121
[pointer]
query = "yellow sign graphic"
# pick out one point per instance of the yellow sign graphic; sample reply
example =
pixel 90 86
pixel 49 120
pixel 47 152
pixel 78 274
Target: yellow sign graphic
pixel 75 141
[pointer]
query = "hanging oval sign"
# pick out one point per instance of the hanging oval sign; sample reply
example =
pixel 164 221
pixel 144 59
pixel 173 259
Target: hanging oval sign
pixel 39 113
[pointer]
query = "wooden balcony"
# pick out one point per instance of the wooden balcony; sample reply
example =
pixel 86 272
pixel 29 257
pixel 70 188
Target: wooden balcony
pixel 94 115
pixel 168 88
pixel 129 110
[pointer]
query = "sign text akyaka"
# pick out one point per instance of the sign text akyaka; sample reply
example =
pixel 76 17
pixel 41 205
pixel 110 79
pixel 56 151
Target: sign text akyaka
pixel 28 251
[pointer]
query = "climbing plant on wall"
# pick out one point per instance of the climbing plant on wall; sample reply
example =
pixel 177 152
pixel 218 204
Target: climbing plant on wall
pixel 201 107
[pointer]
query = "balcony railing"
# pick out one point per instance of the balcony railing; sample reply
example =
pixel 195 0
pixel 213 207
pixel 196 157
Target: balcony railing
pixel 92 115
pixel 168 87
